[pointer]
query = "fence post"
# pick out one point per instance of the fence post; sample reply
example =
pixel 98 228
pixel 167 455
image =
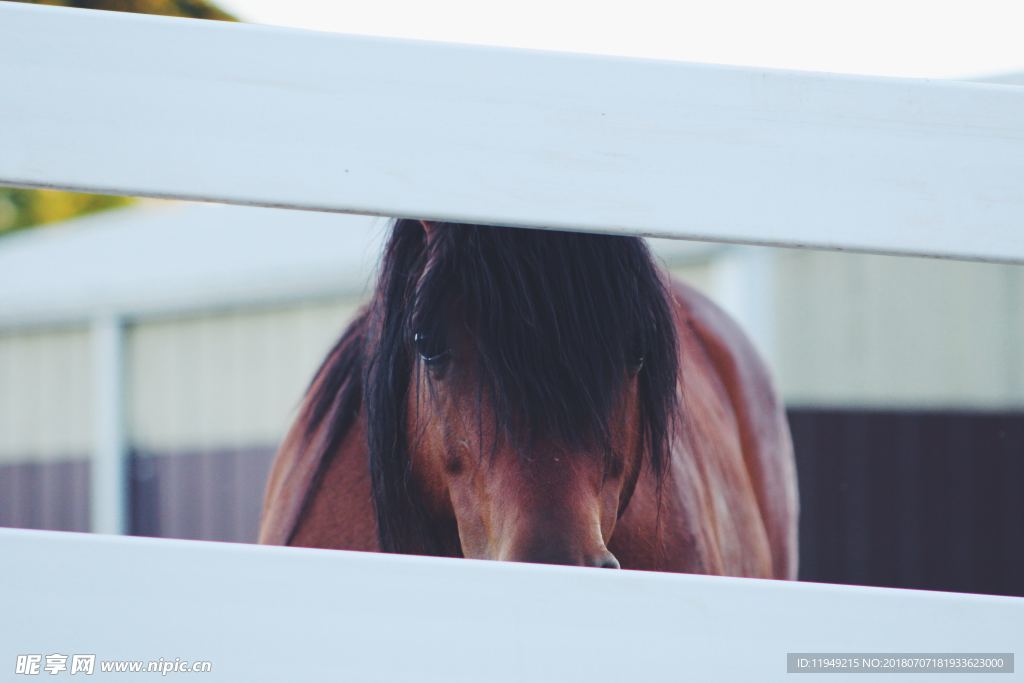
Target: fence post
pixel 108 481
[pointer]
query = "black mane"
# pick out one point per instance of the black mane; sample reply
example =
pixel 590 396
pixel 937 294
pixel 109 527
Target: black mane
pixel 557 321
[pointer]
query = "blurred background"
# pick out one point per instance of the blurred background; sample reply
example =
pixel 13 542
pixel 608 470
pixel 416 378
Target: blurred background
pixel 152 354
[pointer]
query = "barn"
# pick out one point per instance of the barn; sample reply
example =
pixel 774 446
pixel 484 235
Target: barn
pixel 151 358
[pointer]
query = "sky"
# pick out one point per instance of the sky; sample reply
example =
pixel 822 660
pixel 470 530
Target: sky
pixel 915 38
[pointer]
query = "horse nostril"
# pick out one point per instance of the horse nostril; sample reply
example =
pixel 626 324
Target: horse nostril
pixel 549 554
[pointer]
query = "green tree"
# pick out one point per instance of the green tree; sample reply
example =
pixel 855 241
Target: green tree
pixel 20 208
pixel 197 9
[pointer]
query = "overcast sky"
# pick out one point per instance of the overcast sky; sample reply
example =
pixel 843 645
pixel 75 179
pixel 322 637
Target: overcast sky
pixel 927 38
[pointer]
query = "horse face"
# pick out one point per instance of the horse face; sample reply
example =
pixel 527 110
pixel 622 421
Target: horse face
pixel 537 503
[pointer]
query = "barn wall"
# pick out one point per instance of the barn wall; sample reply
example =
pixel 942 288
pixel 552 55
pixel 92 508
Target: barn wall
pixel 210 397
pixel 212 494
pixel 862 330
pixel 912 499
pixel 46 391
pixel 700 275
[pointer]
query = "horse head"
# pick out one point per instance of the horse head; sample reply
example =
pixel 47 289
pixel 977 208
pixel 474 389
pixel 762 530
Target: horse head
pixel 515 384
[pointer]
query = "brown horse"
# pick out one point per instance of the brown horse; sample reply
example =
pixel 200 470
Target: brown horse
pixel 539 396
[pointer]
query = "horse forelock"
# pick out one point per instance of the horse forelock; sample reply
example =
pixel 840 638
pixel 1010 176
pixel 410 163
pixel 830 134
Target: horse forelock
pixel 555 320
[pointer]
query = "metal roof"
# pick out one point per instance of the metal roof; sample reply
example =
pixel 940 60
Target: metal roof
pixel 158 258
pixel 165 257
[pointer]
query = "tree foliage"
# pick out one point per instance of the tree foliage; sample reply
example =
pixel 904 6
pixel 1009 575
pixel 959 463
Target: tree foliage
pixel 24 208
pixel 197 9
pixel 20 208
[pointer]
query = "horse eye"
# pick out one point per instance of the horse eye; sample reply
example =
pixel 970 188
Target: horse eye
pixel 429 350
pixel 637 365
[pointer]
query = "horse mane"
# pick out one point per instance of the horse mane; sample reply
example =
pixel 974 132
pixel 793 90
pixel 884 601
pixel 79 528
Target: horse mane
pixel 556 319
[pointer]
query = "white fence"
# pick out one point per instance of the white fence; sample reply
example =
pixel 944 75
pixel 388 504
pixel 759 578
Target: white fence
pixel 248 114
pixel 153 106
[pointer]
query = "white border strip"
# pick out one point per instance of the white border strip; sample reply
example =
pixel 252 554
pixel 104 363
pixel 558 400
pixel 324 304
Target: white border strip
pixel 288 614
pixel 163 107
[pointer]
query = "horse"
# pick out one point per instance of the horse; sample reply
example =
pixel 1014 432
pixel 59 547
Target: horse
pixel 539 396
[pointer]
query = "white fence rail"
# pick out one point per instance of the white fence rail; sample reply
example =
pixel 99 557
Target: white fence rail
pixel 286 614
pixel 246 114
pixel 155 106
